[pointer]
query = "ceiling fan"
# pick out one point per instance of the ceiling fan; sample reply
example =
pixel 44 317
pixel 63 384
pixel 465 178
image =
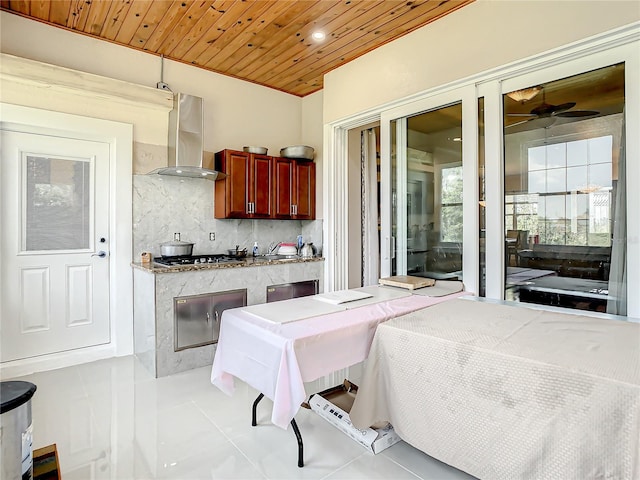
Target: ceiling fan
pixel 545 114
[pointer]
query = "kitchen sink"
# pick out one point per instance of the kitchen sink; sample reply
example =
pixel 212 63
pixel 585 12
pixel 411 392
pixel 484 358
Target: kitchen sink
pixel 277 257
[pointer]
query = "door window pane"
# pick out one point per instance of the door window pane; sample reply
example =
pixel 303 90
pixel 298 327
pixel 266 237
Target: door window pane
pixel 600 149
pixel 57 200
pixel 576 179
pixel 556 180
pixel 563 199
pixel 600 175
pixel 538 181
pixel 451 200
pixel 432 200
pixel 577 153
pixel 537 158
pixel 556 155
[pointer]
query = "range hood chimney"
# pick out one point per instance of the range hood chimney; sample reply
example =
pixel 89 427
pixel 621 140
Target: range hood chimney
pixel 186 125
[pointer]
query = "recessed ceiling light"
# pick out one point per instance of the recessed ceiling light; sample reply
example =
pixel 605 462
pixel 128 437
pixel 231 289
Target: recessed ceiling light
pixel 317 36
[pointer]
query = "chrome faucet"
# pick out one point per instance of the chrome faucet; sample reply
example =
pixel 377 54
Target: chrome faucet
pixel 273 246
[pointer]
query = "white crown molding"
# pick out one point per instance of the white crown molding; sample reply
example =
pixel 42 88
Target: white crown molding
pixel 53 78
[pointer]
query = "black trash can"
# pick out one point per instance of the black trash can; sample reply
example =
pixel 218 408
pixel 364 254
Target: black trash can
pixel 16 439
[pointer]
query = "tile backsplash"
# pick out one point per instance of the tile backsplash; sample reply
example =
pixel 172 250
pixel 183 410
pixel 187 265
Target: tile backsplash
pixel 164 205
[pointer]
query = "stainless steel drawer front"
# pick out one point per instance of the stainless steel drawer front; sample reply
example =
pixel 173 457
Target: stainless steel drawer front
pixel 286 291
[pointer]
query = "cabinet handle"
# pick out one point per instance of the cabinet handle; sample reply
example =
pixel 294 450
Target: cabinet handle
pixel 253 207
pixel 291 210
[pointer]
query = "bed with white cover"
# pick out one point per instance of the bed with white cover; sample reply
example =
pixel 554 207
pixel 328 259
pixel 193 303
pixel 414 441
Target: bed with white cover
pixel 505 392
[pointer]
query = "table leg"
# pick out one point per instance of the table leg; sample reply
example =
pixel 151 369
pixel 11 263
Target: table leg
pixel 255 407
pixel 299 439
pixel 294 425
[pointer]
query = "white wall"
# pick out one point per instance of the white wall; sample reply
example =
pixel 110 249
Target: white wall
pixel 478 37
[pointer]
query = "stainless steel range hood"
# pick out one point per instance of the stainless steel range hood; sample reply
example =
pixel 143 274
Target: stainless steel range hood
pixel 186 126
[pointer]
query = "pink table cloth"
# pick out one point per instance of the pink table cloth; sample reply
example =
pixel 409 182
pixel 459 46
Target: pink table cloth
pixel 276 359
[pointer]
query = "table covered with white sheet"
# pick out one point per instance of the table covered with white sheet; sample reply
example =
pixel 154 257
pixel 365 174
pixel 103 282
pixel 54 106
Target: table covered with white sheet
pixel 506 392
pixel 311 339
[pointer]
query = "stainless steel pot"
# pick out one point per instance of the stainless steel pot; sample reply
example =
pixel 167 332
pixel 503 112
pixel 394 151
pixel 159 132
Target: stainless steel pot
pixel 260 150
pixel 176 248
pixel 237 253
pixel 298 151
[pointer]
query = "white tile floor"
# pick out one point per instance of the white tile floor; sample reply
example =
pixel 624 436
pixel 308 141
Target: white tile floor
pixel 112 419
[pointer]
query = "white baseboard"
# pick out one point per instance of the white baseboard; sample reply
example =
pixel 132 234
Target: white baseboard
pixel 53 361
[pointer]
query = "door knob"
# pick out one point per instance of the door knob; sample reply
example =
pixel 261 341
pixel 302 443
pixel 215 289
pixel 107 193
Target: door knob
pixel 100 254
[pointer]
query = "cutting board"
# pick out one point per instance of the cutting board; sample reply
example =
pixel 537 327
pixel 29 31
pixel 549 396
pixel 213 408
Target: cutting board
pixel 342 296
pixel 292 310
pixel 407 281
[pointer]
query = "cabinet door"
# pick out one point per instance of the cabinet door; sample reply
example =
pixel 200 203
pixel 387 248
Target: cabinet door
pixel 261 194
pixel 305 189
pixel 232 193
pixel 283 187
pixel 238 171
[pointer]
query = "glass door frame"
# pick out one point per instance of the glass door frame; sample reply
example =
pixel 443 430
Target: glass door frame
pixel 466 95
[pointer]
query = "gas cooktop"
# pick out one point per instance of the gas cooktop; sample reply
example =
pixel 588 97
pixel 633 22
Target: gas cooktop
pixel 196 260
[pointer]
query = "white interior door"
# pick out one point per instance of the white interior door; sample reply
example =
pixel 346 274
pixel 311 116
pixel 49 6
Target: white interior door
pixel 55 244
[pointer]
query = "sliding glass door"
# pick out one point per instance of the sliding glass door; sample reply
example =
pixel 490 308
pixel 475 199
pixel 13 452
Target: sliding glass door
pixel 522 181
pixel 565 212
pixel 422 211
pixel 559 173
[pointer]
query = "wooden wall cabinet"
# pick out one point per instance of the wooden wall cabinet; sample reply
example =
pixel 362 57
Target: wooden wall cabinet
pixel 295 189
pixel 246 192
pixel 260 186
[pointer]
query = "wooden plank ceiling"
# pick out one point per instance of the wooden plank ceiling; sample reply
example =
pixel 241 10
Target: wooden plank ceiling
pixel 267 42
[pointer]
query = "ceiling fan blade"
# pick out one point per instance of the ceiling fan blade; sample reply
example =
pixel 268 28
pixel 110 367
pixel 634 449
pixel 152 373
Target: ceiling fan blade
pixel 529 115
pixel 577 113
pixel 546 109
pixel 562 107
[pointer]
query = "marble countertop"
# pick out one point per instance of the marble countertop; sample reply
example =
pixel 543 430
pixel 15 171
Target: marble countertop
pixel 248 262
